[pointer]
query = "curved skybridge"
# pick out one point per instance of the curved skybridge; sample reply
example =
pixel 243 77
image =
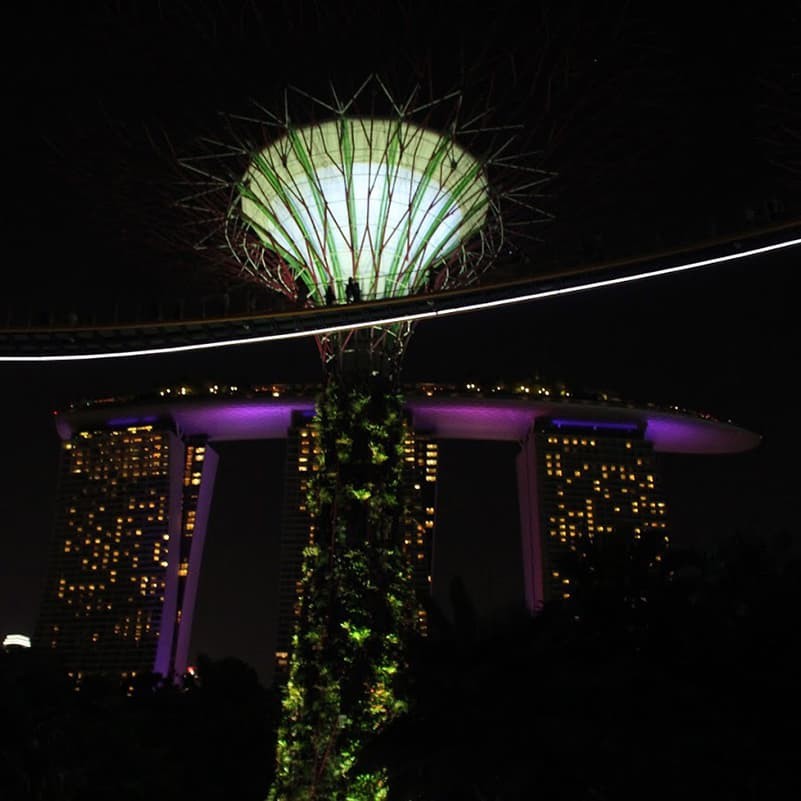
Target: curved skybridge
pixel 77 342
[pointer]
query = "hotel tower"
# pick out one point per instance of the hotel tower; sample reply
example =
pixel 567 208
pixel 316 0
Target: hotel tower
pixel 136 481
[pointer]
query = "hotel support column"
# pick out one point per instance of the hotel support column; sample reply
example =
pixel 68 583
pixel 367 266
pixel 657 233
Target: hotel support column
pixel 530 525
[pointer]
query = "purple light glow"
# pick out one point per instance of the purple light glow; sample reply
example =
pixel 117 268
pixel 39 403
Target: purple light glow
pixel 507 420
pixel 472 419
pixel 511 420
pixel 181 656
pixel 594 424
pixel 678 434
pixel 240 420
pixel 219 420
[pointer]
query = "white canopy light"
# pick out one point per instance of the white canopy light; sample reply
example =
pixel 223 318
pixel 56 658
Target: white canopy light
pixel 381 201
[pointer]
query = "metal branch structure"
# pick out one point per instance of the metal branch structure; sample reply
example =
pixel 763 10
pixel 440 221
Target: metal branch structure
pixel 370 198
pixel 378 200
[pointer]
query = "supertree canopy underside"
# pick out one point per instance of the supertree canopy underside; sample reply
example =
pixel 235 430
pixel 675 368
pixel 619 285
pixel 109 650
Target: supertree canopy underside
pixel 380 201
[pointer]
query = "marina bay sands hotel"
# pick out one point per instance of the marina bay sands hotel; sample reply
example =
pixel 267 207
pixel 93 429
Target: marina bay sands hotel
pixel 136 485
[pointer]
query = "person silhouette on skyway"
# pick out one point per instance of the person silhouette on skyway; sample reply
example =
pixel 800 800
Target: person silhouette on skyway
pixel 352 291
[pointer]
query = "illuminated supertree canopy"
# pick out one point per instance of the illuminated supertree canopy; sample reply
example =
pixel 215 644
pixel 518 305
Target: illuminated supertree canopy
pixel 378 200
pixel 370 198
pixel 399 198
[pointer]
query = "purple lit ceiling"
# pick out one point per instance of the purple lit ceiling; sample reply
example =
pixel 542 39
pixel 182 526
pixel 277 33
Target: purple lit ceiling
pixel 451 417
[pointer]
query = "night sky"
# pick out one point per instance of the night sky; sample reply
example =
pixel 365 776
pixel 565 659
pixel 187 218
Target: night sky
pixel 664 130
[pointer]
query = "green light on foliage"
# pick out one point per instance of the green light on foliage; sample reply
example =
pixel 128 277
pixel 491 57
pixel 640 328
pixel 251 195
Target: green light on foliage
pixel 358 609
pixel 356 633
pixel 360 494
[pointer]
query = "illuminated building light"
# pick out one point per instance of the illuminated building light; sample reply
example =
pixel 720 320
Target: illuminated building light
pixel 16 641
pixel 103 639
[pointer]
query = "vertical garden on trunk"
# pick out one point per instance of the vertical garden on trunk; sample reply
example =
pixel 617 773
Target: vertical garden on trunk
pixel 357 607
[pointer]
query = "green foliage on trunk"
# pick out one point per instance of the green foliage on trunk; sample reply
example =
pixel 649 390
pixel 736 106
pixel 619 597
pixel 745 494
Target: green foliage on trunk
pixel 357 614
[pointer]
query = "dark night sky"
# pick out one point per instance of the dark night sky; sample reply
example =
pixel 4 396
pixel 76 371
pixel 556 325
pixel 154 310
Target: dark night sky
pixel 662 129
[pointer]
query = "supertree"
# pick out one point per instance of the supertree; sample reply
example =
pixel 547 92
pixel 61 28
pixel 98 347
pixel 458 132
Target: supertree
pixel 379 199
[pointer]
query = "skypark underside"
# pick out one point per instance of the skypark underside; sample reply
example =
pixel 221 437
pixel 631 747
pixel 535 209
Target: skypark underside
pixel 447 417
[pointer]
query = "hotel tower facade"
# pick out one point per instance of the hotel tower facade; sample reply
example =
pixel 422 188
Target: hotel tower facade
pixel 136 482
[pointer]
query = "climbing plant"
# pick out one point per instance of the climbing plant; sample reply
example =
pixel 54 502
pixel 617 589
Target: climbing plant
pixel 357 607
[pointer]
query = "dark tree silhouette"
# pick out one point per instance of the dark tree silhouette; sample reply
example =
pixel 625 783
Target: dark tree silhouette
pixel 683 690
pixel 210 740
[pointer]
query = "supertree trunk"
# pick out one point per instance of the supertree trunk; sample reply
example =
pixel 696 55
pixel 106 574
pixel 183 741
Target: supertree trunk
pixel 382 198
pixel 357 607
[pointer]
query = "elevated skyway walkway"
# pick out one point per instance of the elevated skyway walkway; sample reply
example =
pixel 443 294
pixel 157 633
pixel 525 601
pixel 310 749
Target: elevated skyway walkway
pixel 77 342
